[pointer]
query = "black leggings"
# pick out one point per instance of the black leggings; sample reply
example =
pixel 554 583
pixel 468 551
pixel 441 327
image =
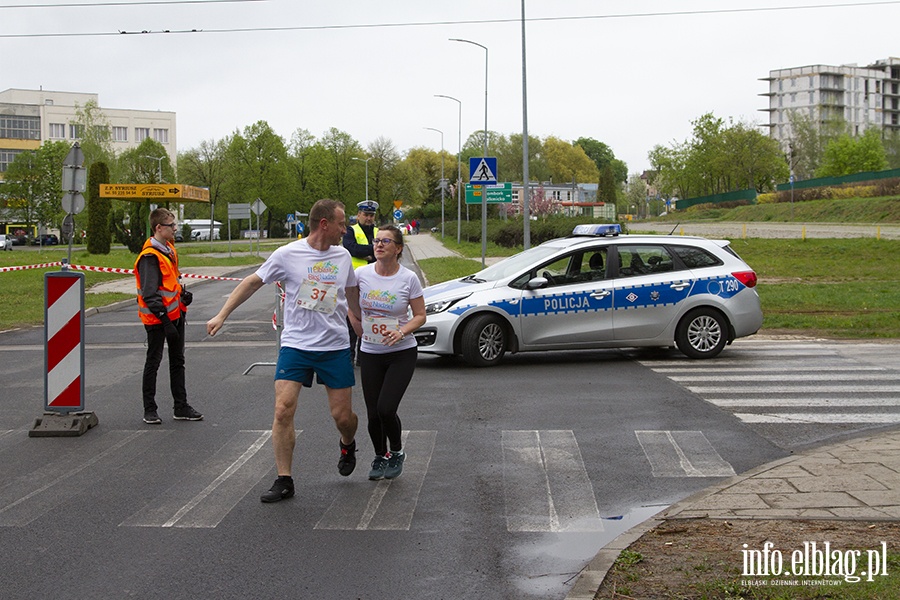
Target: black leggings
pixel 385 378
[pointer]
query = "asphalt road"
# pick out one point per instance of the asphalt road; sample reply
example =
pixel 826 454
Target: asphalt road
pixel 516 475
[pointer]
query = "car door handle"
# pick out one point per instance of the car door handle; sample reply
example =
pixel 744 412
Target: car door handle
pixel 680 285
pixel 600 294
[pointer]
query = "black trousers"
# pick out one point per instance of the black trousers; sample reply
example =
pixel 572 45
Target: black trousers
pixel 385 378
pixel 156 338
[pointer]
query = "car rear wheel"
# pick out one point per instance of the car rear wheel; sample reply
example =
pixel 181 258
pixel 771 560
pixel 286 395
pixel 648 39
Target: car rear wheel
pixel 483 341
pixel 702 333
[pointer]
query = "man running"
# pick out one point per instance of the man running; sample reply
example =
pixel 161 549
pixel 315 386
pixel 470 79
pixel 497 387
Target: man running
pixel 319 286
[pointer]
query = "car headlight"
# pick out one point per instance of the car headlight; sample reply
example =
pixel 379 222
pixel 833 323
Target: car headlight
pixel 439 306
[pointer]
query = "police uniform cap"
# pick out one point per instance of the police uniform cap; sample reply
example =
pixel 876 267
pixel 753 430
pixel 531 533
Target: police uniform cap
pixel 367 206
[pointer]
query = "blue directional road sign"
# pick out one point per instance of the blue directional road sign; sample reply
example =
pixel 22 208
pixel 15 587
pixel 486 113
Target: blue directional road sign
pixel 483 170
pixel 398 214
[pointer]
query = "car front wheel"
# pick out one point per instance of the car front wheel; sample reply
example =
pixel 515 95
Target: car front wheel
pixel 702 333
pixel 483 341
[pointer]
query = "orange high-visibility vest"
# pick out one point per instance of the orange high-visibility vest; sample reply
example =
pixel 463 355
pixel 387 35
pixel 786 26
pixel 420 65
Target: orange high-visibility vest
pixel 170 287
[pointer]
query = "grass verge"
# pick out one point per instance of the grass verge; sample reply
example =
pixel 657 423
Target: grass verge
pixel 22 292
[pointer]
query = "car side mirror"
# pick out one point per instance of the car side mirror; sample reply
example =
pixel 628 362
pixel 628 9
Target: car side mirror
pixel 536 283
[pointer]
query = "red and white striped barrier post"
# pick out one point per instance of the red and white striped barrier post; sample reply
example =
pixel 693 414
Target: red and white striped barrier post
pixel 63 358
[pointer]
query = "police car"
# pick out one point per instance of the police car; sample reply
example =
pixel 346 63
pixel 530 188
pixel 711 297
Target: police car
pixel 596 289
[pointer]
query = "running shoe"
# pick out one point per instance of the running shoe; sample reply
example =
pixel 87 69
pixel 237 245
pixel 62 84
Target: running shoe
pixel 151 417
pixel 281 489
pixel 394 465
pixel 187 413
pixel 347 462
pixel 378 466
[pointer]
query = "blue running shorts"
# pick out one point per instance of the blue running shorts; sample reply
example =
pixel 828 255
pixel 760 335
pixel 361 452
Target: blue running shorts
pixel 333 368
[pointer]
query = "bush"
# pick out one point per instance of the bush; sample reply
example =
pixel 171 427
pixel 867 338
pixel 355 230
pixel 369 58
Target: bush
pixel 511 232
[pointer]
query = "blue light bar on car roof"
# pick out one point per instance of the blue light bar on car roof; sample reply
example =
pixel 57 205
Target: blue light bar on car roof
pixel 598 229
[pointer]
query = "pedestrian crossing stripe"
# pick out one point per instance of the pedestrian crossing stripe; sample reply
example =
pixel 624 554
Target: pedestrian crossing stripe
pixel 482 173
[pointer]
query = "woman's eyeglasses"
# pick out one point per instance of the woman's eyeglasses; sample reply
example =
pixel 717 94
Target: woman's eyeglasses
pixel 383 242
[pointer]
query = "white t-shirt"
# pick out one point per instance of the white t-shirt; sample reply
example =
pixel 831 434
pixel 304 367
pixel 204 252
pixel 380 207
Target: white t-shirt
pixel 328 272
pixel 387 297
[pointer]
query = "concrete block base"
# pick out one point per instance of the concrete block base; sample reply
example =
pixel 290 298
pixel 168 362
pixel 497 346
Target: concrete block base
pixel 63 425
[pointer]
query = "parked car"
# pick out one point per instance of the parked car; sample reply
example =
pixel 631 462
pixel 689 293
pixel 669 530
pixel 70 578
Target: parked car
pixel 6 242
pixel 45 239
pixel 596 289
pixel 19 240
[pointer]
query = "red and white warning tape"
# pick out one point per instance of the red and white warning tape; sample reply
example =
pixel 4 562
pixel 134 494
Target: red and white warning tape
pixel 24 267
pixel 108 270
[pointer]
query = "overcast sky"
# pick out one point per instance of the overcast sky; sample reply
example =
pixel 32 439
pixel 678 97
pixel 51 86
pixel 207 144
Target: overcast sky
pixel 630 74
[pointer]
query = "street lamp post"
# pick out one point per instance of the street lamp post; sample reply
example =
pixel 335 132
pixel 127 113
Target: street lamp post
pixel 442 177
pixel 366 160
pixel 484 154
pixel 458 166
pixel 159 165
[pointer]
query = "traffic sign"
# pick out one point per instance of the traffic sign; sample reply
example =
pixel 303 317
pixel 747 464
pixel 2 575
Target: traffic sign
pixel 68 227
pixel 238 211
pixel 73 202
pixel 398 214
pixel 398 203
pixel 258 207
pixel 494 194
pixel 143 191
pixel 290 218
pixel 483 170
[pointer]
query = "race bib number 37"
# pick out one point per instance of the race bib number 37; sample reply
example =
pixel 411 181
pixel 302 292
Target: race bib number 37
pixel 320 297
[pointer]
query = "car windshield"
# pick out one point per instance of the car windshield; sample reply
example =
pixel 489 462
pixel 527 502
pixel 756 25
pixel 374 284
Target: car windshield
pixel 514 264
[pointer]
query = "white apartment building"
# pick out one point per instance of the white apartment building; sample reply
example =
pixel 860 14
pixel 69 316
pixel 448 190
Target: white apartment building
pixel 28 118
pixel 863 97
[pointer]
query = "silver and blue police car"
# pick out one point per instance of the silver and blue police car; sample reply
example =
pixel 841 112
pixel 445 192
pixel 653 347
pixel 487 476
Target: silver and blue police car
pixel 596 289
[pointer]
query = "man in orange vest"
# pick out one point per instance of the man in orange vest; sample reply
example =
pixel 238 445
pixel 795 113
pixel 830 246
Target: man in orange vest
pixel 162 306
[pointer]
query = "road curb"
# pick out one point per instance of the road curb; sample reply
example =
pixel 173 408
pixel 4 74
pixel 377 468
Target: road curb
pixel 594 573
pixel 592 576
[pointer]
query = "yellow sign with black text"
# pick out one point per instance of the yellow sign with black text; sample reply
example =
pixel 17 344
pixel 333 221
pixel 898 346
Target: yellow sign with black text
pixel 154 191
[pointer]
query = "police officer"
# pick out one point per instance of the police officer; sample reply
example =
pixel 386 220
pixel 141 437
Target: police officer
pixel 358 241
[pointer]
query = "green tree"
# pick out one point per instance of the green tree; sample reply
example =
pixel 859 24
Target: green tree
pixel 847 155
pixel 301 166
pixel 98 238
pixel 259 169
pixel 204 166
pixel 143 165
pixel 603 155
pixel 809 137
pixel 33 185
pixel 754 160
pixel 718 158
pixel 568 162
pixel 607 186
pixel 635 193
pixel 95 133
pixel 384 160
pixel 892 149
pixel 420 180
pixel 340 149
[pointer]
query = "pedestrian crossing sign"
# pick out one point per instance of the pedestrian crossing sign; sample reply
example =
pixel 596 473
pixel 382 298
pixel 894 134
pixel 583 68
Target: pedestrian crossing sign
pixel 483 170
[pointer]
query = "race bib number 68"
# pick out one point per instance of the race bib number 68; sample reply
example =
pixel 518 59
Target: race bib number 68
pixel 320 297
pixel 376 327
